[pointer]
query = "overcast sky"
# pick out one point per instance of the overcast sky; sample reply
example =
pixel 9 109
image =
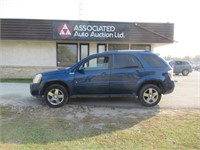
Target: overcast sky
pixel 185 14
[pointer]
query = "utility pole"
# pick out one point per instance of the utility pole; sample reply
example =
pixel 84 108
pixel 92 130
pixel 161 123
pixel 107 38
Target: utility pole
pixel 80 9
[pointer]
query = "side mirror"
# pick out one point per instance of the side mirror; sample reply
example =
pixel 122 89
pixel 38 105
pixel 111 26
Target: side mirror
pixel 81 69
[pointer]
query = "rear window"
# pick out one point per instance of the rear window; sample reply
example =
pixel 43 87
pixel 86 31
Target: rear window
pixel 125 61
pixel 154 61
pixel 185 63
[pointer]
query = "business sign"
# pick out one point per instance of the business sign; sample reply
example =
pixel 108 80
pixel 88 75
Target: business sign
pixel 64 30
pixel 89 31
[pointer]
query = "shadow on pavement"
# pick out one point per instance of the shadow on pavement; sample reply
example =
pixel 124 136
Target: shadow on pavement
pixel 107 102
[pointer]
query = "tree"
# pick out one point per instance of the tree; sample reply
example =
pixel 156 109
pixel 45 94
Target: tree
pixel 188 58
pixel 197 58
pixel 169 57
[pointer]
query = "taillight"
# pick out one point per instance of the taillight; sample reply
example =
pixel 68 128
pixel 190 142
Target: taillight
pixel 170 74
pixel 172 68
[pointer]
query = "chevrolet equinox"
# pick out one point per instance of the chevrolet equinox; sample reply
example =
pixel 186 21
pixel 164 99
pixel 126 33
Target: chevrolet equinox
pixel 109 74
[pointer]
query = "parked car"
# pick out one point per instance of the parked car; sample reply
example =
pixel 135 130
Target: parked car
pixel 183 67
pixel 109 74
pixel 197 67
pixel 193 65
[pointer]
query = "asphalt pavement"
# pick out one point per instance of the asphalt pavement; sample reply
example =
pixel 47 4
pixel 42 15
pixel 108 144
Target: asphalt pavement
pixel 185 95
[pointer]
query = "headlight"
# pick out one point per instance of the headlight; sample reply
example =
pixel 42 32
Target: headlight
pixel 37 78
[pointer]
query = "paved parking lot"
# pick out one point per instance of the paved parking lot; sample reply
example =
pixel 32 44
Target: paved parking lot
pixel 186 95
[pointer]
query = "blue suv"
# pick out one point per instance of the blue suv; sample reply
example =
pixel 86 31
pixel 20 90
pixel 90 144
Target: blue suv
pixel 109 74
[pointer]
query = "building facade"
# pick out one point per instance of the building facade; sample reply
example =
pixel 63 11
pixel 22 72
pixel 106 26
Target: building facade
pixel 30 46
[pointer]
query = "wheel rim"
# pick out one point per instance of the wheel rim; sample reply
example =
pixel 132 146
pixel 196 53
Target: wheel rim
pixel 150 95
pixel 55 96
pixel 185 72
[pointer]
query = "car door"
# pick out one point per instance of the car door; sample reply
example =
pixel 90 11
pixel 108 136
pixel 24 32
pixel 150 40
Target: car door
pixel 178 67
pixel 125 73
pixel 92 76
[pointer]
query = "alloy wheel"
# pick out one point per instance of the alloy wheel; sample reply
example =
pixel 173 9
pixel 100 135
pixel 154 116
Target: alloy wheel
pixel 150 95
pixel 55 96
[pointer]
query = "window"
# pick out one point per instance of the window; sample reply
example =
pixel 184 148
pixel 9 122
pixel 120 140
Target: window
pixel 140 47
pixel 118 47
pixel 101 48
pixel 153 61
pixel 178 62
pixel 182 63
pixel 98 63
pixel 84 50
pixel 126 61
pixel 66 55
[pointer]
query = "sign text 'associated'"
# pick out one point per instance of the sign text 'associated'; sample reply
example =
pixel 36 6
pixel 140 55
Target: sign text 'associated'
pixel 84 31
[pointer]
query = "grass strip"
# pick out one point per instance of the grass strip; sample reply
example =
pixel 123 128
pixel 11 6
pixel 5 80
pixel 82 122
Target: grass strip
pixel 166 130
pixel 16 80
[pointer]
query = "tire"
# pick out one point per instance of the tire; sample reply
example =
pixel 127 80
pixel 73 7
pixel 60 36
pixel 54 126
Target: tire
pixel 185 72
pixel 149 95
pixel 56 96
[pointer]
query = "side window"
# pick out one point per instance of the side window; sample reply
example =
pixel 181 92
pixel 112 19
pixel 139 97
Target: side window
pixel 125 61
pixel 185 63
pixel 98 63
pixel 178 62
pixel 154 60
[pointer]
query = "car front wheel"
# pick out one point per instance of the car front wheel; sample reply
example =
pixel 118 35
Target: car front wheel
pixel 149 95
pixel 185 72
pixel 56 95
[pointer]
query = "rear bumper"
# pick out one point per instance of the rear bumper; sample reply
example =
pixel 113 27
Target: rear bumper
pixel 168 86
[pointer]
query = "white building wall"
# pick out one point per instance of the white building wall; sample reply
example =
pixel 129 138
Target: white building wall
pixel 23 59
pixel 27 53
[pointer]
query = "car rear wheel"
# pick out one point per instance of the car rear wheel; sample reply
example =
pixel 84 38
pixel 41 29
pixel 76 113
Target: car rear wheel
pixel 149 95
pixel 185 72
pixel 56 95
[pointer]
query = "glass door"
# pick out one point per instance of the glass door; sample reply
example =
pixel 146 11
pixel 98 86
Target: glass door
pixel 101 48
pixel 84 50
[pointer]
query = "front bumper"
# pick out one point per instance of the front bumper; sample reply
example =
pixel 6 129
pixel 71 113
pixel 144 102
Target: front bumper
pixel 35 89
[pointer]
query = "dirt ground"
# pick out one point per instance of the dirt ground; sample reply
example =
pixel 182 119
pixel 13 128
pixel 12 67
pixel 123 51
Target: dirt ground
pixel 91 117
